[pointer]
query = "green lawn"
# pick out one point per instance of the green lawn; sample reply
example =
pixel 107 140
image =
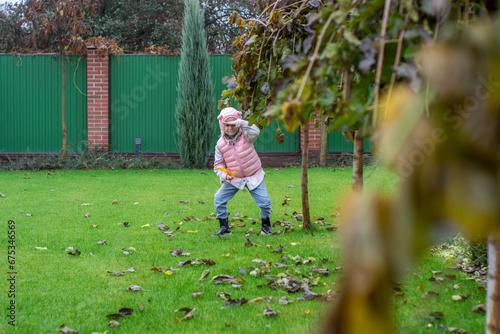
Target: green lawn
pixel 54 288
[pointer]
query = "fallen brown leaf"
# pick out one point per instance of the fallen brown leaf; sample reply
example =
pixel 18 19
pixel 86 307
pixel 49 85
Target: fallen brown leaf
pixel 479 308
pixel 64 329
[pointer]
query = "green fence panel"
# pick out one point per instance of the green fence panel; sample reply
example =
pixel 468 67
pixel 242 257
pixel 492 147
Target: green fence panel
pixel 337 143
pixel 143 93
pixel 142 102
pixel 30 103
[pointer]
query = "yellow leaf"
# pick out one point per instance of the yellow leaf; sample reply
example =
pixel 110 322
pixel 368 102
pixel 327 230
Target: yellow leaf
pixel 193 231
pixel 227 171
pixel 308 311
pixel 147 225
pixel 241 23
pixel 280 136
pixel 290 115
pixel 222 169
pixel 294 243
pixel 61 12
pixel 168 273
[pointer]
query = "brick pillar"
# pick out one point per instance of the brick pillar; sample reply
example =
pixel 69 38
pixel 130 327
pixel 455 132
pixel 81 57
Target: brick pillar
pixel 314 137
pixel 97 100
pixel 314 141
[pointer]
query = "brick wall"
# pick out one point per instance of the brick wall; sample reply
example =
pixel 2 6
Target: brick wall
pixel 97 100
pixel 314 137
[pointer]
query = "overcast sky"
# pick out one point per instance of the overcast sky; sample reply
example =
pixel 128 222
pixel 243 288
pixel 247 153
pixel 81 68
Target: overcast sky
pixel 4 1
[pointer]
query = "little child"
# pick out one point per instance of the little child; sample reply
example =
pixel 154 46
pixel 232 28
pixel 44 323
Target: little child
pixel 238 166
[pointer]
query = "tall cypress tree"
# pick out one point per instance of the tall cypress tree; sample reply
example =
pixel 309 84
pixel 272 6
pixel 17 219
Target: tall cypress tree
pixel 195 101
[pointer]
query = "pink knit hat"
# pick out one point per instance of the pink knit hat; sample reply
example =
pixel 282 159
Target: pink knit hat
pixel 225 114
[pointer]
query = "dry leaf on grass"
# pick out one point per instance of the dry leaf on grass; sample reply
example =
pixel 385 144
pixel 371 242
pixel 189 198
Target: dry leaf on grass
pixel 188 313
pixel 65 329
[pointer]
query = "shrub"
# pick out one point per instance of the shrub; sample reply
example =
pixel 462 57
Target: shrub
pixel 195 99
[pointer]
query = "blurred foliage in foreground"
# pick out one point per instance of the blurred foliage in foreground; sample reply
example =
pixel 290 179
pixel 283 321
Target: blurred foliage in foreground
pixel 444 142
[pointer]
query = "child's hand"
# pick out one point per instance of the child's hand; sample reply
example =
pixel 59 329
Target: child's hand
pixel 229 177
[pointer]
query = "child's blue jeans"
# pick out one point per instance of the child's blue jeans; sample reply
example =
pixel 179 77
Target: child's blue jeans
pixel 227 191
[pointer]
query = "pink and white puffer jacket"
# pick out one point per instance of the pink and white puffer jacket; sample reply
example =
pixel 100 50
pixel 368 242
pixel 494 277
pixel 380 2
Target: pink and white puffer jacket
pixel 241 157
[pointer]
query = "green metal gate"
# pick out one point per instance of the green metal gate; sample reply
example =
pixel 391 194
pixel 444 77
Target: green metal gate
pixel 30 103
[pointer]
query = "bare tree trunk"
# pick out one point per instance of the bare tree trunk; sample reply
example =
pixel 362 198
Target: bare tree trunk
pixel 306 216
pixel 323 144
pixel 493 291
pixel 63 111
pixel 357 163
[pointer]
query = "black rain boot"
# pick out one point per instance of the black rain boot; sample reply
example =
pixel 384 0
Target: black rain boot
pixel 224 227
pixel 266 226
